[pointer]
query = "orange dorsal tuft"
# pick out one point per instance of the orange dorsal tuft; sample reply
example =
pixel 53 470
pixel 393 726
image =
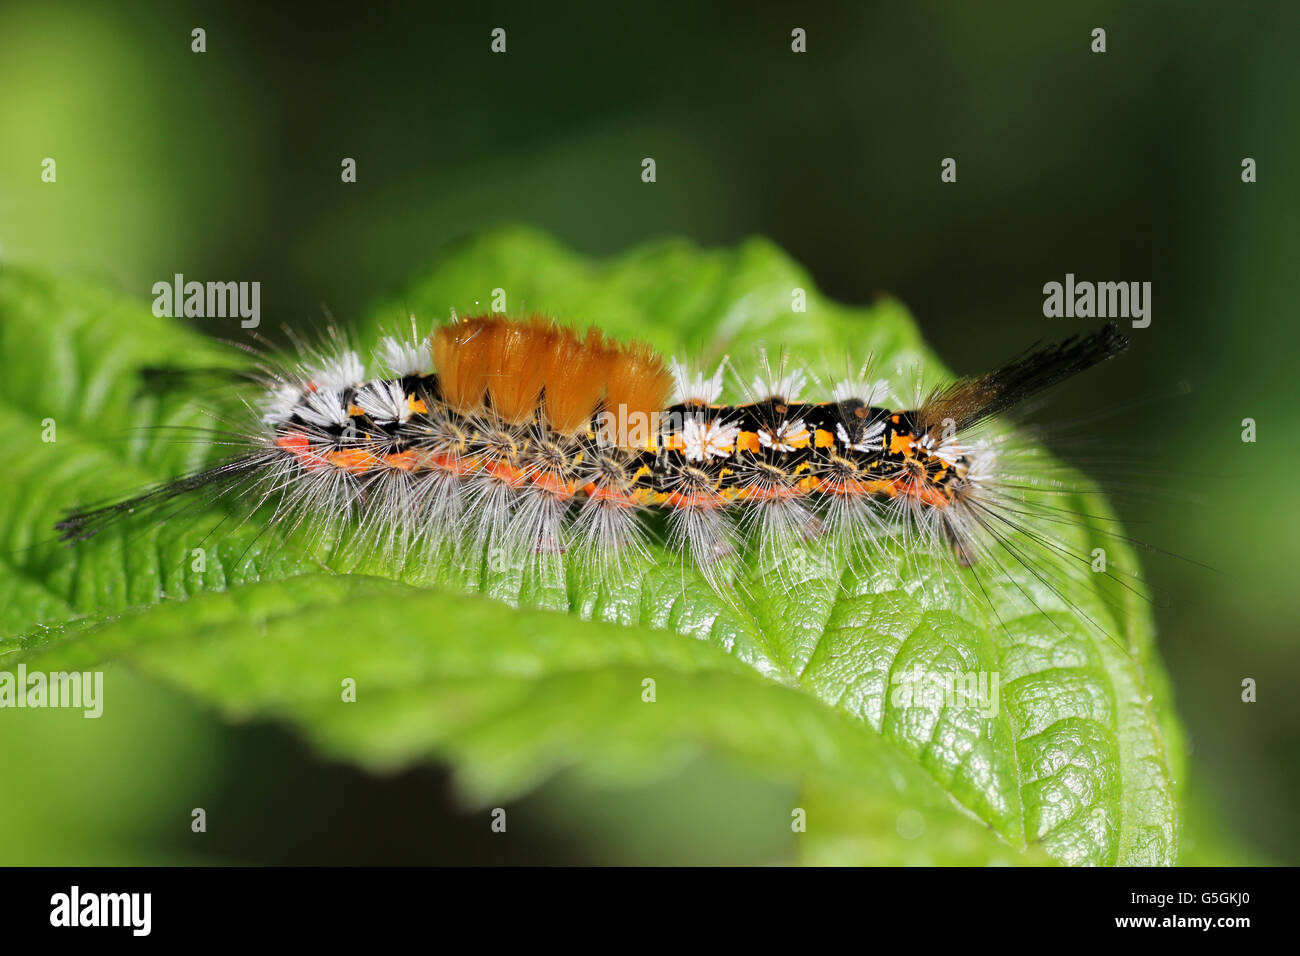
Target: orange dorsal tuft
pixel 530 368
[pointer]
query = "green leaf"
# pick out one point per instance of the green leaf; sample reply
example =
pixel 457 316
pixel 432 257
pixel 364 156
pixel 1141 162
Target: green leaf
pixel 1077 762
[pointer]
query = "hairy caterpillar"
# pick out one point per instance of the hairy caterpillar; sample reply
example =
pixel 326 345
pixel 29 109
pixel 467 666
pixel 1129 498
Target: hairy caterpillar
pixel 534 439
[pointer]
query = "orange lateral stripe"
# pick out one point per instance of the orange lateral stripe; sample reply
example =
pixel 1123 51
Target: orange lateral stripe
pixel 297 444
pixel 352 460
pixel 678 500
pixel 768 494
pixel 548 482
pixel 601 493
pixel 852 488
pixel 457 464
pixel 293 441
pixel 926 493
pixel 507 473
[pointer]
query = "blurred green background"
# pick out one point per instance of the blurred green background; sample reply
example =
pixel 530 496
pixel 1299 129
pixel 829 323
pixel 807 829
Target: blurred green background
pixel 1119 166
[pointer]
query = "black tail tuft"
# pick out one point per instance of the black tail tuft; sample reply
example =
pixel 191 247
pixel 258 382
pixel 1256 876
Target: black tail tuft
pixel 80 524
pixel 973 400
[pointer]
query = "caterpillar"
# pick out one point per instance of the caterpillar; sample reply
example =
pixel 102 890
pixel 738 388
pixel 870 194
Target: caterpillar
pixel 534 438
